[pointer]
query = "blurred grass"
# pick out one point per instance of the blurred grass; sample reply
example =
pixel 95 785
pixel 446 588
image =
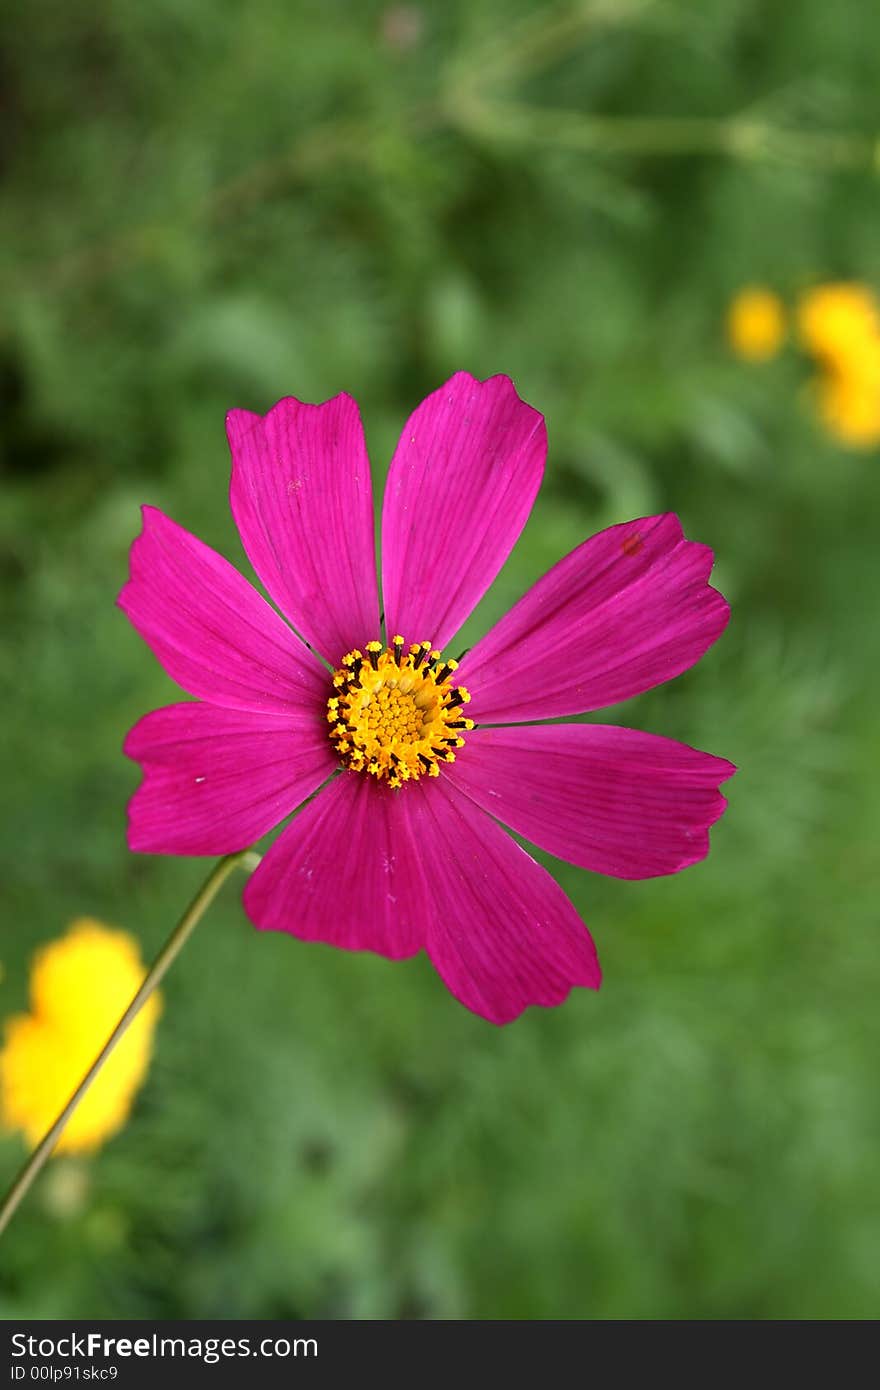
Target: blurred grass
pixel 210 205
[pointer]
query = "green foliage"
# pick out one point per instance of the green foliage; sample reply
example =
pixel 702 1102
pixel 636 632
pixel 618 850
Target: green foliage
pixel 216 204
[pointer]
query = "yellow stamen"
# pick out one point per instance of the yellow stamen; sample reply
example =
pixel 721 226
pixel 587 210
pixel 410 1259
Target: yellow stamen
pixel 396 716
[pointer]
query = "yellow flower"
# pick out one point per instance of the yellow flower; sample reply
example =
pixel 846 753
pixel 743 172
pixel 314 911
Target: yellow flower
pixel 837 322
pixel 848 401
pixel 756 323
pixel 80 987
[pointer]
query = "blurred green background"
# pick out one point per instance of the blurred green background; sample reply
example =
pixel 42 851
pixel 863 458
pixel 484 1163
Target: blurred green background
pixel 210 203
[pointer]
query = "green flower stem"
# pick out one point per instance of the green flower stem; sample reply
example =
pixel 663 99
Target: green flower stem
pixel 744 137
pixel 245 859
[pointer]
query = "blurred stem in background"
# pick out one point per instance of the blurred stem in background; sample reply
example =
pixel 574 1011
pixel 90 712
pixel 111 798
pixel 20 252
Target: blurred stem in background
pixel 464 102
pixel 538 41
pixel 737 137
pixel 245 859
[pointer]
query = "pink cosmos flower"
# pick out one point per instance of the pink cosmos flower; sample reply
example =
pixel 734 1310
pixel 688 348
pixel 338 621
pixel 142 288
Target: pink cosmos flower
pixel 419 761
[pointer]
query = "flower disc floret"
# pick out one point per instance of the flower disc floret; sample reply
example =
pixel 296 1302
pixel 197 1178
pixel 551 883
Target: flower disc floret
pixel 396 713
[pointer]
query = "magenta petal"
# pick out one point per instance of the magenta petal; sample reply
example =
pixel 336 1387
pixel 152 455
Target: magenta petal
pixel 302 499
pixel 625 611
pixel 461 485
pixel 613 800
pixel 345 871
pixel 501 932
pixel 210 628
pixel 215 780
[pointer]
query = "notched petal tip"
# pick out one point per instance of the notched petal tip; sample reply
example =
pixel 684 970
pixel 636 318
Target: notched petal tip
pixel 124 599
pixel 139 740
pixel 498 385
pixel 502 1018
pixel 129 743
pixel 152 520
pixel 240 423
pixel 717 614
pixel 669 519
pixel 724 609
pixel 716 811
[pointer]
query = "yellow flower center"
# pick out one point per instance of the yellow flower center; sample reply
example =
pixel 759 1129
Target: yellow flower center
pixel 394 715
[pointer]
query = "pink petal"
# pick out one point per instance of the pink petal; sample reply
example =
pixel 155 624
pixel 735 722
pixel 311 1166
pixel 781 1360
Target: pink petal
pixel 215 780
pixel 210 628
pixel 302 499
pixel 613 800
pixel 345 871
pixel 501 932
pixel 625 611
pixel 461 485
